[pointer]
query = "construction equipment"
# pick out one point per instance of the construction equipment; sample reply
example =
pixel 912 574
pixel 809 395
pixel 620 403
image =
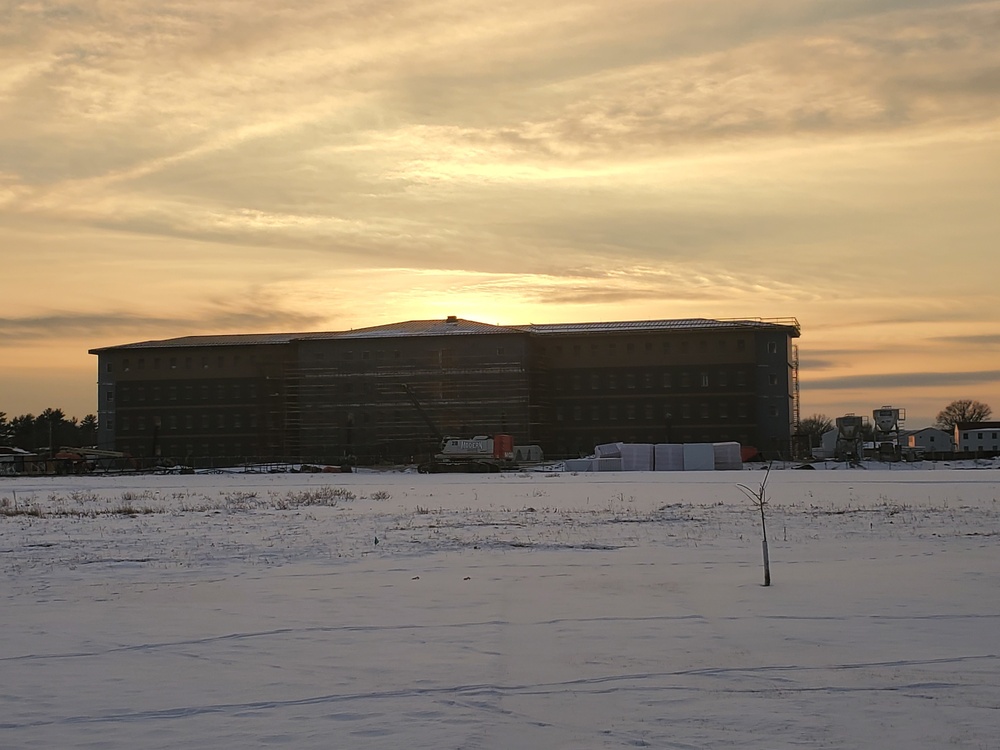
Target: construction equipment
pixel 480 454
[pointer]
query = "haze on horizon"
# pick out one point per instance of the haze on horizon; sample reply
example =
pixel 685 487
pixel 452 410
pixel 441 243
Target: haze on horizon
pixel 174 168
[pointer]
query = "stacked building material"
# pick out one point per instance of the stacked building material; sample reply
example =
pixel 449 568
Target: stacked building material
pixel 637 456
pixel 579 464
pixel 606 464
pixel 727 456
pixel 668 457
pixel 609 450
pixel 699 457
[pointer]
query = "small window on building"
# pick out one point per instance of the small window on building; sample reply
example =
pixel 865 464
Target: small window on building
pixel 595 381
pixel 613 412
pixel 741 378
pixel 685 380
pixel 140 423
pixel 668 381
pixel 772 347
pixel 685 411
pixel 772 379
pixel 109 395
pixel 109 367
pixel 704 411
pixel 595 413
pixel 723 411
pixel 723 379
pixel 772 410
pixel 173 363
pixel 630 411
pixel 577 413
pixel 704 380
pixel 649 412
pixel 630 380
pixel 124 423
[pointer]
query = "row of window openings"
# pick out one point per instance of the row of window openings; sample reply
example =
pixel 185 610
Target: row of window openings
pixel 979 435
pixel 436 355
pixel 666 380
pixel 173 422
pixel 125 394
pixel 666 346
pixel 174 450
pixel 173 363
pixel 649 412
pixel 220 360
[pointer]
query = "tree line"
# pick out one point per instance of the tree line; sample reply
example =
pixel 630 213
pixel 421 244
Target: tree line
pixel 962 410
pixel 51 428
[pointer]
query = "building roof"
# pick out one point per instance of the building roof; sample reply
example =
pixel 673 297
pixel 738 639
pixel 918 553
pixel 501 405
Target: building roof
pixel 234 339
pixel 450 326
pixel 454 326
pixel 977 426
pixel 699 324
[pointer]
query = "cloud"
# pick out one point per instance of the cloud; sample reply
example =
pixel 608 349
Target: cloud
pixel 903 380
pixel 38 329
pixel 987 340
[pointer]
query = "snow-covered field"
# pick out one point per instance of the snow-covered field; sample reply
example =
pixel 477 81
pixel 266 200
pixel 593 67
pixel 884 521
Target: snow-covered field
pixel 501 611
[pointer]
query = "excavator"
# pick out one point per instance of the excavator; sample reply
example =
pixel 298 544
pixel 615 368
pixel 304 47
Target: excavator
pixel 480 454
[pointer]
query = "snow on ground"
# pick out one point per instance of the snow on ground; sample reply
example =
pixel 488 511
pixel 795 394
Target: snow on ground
pixel 501 611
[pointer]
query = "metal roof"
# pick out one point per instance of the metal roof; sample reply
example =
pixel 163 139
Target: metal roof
pixel 449 327
pixel 235 339
pixel 453 326
pixel 699 324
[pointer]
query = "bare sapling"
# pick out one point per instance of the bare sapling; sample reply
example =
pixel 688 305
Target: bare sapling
pixel 759 500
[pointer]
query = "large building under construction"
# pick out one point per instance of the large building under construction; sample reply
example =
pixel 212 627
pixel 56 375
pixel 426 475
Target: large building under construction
pixel 391 392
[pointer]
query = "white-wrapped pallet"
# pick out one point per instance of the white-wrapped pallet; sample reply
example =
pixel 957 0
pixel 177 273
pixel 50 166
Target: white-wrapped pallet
pixel 727 457
pixel 606 464
pixel 668 457
pixel 608 450
pixel 579 464
pixel 637 456
pixel 699 457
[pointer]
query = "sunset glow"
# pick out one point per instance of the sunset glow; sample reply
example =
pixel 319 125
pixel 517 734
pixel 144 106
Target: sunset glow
pixel 178 168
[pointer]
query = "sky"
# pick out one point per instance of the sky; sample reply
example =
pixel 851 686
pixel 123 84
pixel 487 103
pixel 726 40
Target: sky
pixel 179 167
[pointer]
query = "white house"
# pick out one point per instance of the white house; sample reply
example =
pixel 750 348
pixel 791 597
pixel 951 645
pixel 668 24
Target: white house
pixel 929 439
pixel 978 437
